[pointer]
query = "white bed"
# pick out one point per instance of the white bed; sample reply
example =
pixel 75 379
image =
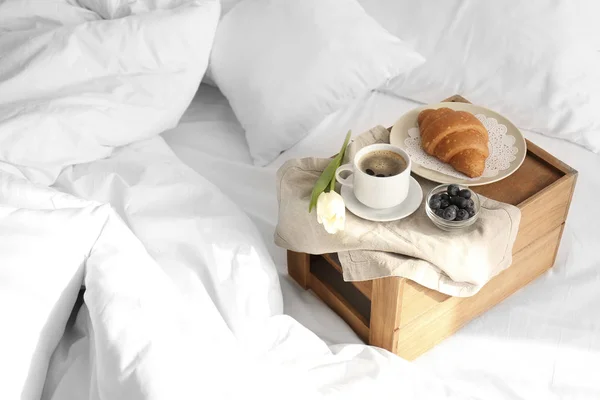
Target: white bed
pixel 121 173
pixel 541 343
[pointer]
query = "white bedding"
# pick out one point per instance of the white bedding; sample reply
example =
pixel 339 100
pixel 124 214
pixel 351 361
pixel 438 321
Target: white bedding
pixel 185 298
pixel 182 300
pixel 541 343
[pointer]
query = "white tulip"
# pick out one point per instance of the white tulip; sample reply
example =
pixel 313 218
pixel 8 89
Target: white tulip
pixel 331 211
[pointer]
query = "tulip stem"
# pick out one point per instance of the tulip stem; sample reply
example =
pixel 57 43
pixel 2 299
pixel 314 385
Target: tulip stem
pixel 328 173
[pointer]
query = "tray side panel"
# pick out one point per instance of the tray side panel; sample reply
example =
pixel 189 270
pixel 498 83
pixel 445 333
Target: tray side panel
pixel 365 287
pixel 299 267
pixel 424 332
pixel 341 306
pixel 386 306
pixel 330 275
pixel 544 211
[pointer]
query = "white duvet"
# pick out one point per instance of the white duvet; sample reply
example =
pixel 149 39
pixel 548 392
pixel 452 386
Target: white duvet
pixel 182 300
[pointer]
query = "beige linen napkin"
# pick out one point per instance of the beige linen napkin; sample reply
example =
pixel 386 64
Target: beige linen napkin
pixel 454 263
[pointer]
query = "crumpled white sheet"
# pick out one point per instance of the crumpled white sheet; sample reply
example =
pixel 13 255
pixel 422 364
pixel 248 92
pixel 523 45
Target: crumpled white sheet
pixel 182 299
pixel 141 325
pixel 92 84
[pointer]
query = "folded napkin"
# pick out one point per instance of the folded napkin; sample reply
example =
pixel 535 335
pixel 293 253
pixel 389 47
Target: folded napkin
pixel 454 263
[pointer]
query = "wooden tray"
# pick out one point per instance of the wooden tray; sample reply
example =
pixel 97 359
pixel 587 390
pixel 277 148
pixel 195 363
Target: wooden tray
pixel 408 319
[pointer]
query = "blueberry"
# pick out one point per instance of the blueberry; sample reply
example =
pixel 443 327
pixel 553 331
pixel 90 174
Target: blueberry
pixel 444 203
pixel 455 199
pixel 380 175
pixel 436 196
pixel 439 212
pixel 453 206
pixel 471 212
pixel 461 202
pixel 466 193
pixel 435 203
pixel 470 203
pixel 462 215
pixel 453 190
pixel 369 171
pixel 450 213
pixel 445 196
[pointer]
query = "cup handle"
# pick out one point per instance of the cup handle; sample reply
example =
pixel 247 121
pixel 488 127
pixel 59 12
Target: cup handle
pixel 349 181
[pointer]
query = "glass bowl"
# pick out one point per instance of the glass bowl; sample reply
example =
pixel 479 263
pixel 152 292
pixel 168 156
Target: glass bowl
pixel 444 223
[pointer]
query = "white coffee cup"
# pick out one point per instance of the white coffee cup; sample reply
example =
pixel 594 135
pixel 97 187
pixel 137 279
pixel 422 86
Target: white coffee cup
pixel 373 191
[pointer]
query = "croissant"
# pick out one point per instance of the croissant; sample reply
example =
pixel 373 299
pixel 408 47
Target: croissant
pixel 455 137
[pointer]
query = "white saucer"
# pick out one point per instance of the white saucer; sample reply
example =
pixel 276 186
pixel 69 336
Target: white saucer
pixel 402 210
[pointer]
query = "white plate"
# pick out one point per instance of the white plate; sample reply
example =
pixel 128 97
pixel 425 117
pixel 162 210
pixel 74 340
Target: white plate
pixel 409 120
pixel 404 209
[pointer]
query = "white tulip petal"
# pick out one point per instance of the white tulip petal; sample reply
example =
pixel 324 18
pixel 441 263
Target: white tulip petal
pixel 331 211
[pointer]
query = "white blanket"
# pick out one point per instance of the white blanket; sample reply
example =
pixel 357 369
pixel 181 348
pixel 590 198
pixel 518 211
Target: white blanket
pixel 182 300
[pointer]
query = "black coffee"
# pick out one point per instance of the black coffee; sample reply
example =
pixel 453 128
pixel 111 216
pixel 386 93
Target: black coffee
pixel 382 163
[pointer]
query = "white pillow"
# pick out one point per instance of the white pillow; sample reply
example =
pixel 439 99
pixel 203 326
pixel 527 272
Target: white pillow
pixel 533 61
pixel 284 65
pixel 226 6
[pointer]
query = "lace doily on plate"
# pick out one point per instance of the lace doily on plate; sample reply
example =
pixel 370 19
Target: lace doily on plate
pixel 501 145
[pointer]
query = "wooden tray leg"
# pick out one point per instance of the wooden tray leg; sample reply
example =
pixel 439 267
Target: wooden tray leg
pixel 386 303
pixel 299 267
